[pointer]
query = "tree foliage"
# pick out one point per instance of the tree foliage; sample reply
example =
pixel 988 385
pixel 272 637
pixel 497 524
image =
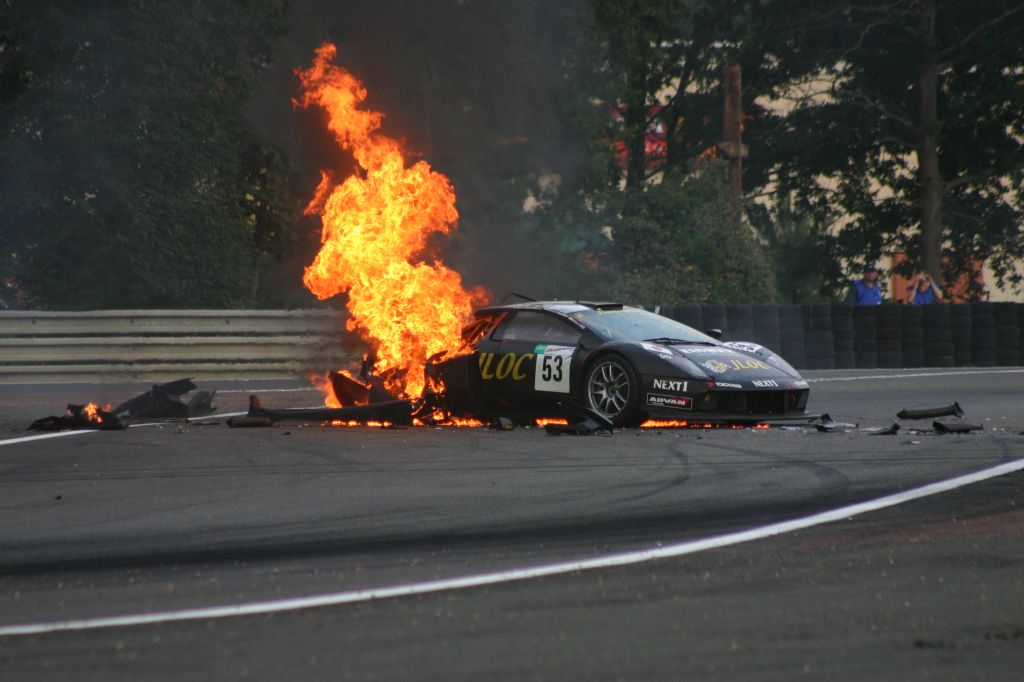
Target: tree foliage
pixel 646 86
pixel 903 131
pixel 914 140
pixel 677 242
pixel 130 175
pixel 129 178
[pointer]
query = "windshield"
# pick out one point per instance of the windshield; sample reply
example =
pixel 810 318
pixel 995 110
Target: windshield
pixel 634 324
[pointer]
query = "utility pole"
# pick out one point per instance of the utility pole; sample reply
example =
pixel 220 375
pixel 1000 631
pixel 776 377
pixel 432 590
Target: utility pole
pixel 732 146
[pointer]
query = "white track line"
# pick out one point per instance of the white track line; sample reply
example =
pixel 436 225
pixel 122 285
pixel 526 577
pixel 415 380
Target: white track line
pixel 915 374
pixel 517 574
pixel 62 434
pixel 43 436
pixel 267 390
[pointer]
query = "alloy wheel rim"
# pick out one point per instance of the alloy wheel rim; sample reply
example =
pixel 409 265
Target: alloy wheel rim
pixel 608 389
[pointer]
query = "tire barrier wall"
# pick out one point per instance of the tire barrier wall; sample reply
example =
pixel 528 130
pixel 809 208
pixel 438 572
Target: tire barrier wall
pixel 839 336
pixel 160 345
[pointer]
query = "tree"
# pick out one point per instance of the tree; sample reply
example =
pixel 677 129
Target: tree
pixel 916 137
pixel 129 178
pixel 646 87
pixel 677 242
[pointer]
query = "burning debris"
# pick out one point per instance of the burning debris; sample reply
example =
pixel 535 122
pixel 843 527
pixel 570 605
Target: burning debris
pixel 79 417
pixel 162 401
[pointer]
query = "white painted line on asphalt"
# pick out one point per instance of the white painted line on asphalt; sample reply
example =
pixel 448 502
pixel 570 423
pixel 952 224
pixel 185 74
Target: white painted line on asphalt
pixel 867 377
pixel 61 434
pixel 267 390
pixel 43 436
pixel 516 574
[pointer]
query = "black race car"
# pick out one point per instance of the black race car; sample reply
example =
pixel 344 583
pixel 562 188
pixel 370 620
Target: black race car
pixel 537 359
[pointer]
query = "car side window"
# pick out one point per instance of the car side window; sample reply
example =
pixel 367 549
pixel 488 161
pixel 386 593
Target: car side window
pixel 530 325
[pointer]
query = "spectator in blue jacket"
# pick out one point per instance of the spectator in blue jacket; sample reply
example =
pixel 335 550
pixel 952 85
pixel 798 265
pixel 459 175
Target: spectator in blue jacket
pixel 865 291
pixel 923 290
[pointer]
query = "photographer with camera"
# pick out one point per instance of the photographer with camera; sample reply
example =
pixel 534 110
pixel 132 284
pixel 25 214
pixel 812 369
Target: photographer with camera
pixel 923 290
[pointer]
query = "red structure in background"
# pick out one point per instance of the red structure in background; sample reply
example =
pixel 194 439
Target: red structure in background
pixel 958 291
pixel 655 138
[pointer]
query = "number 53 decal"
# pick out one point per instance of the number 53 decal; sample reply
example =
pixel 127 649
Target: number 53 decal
pixel 553 363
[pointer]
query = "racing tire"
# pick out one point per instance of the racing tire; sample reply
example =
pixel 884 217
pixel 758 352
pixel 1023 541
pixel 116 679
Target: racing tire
pixel 690 315
pixel 889 334
pixel 886 312
pixel 845 360
pixel 890 346
pixel 842 315
pixel 983 344
pixel 960 316
pixel 889 359
pixel 913 358
pixel 1007 357
pixel 611 387
pixel 984 358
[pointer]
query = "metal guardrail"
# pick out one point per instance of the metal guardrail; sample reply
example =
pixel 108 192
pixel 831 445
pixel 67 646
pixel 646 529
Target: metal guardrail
pixel 155 345
pixel 158 345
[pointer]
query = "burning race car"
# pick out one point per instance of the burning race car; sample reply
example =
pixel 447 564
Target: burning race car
pixel 538 359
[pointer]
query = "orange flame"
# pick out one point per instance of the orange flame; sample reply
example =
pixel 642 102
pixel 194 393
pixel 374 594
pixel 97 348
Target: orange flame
pixel 92 413
pixel 544 421
pixel 684 424
pixel 338 422
pixel 376 224
pixel 462 421
pixel 323 384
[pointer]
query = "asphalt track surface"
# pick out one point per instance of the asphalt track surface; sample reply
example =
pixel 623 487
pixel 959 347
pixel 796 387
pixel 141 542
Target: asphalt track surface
pixel 155 521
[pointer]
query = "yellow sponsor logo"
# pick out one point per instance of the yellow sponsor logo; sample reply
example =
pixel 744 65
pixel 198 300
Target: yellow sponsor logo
pixel 508 365
pixel 749 364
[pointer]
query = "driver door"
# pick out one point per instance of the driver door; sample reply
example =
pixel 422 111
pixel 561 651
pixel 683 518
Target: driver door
pixel 530 360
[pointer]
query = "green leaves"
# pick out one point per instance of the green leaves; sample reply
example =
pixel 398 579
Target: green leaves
pixel 861 157
pixel 126 161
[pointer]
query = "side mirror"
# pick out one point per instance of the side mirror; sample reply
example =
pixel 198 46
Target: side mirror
pixel 714 333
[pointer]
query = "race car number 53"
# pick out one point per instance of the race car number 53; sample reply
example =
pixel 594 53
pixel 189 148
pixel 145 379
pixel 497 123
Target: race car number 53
pixel 553 364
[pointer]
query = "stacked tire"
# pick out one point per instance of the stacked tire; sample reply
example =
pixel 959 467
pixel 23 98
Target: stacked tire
pixel 960 331
pixel 1007 334
pixel 983 334
pixel 791 335
pixel 842 336
pixel 818 340
pixel 912 335
pixel 739 322
pixel 690 315
pixel 1020 323
pixel 713 317
pixel 865 339
pixel 766 326
pixel 938 338
pixel 889 335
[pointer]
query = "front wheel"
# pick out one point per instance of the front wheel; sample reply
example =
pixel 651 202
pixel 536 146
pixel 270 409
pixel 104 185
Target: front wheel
pixel 613 389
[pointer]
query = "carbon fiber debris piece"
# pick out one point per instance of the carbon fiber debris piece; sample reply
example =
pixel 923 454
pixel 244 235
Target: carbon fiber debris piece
pixel 953 410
